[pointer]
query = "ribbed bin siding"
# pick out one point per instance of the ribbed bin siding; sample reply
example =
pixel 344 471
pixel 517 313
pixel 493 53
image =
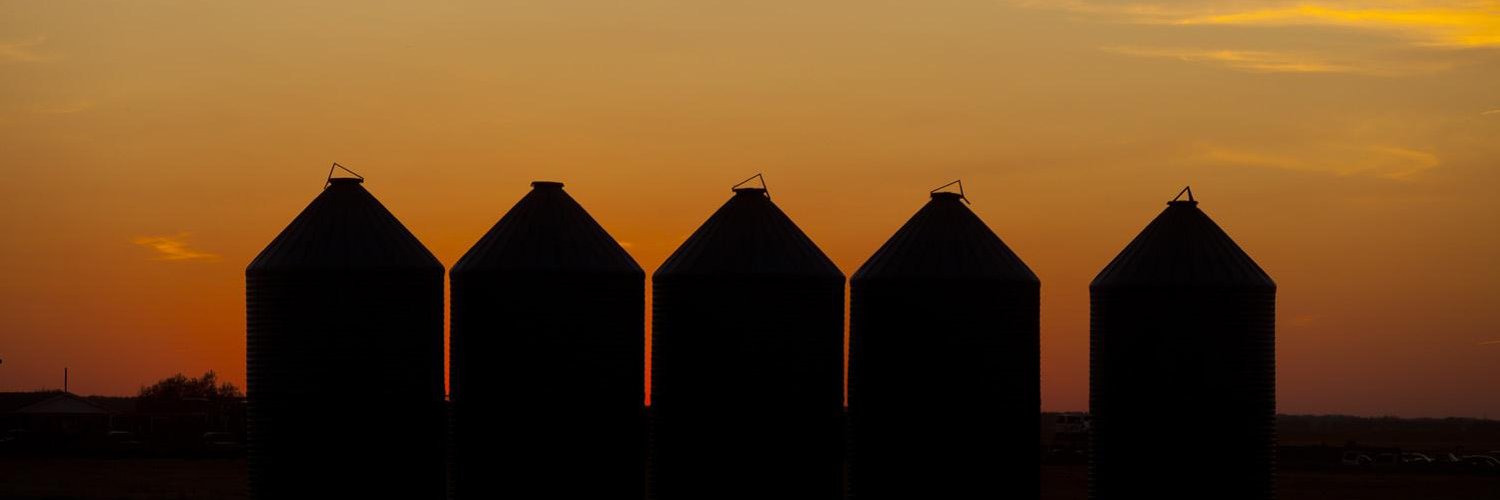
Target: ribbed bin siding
pixel 748 400
pixel 747 362
pixel 344 357
pixel 549 403
pixel 1183 364
pixel 548 358
pixel 945 405
pixel 944 385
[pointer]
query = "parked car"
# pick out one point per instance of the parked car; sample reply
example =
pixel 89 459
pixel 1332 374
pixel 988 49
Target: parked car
pixel 124 441
pixel 16 438
pixel 221 443
pixel 1355 459
pixel 1415 459
pixel 1073 422
pixel 1484 462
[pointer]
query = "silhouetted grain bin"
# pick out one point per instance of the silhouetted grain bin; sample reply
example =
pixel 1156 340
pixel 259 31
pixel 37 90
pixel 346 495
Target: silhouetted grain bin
pixel 747 360
pixel 1182 366
pixel 548 372
pixel 345 356
pixel 944 384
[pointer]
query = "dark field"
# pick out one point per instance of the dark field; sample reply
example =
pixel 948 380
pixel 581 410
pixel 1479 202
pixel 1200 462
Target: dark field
pixel 180 479
pixel 122 479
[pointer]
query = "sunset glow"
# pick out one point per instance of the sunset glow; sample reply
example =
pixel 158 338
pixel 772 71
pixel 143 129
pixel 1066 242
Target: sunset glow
pixel 150 149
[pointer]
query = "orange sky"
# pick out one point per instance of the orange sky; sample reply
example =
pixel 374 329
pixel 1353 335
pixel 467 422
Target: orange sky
pixel 150 149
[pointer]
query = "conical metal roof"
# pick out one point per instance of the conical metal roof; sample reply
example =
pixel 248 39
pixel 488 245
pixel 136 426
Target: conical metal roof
pixel 547 231
pixel 344 228
pixel 1183 246
pixel 749 235
pixel 945 240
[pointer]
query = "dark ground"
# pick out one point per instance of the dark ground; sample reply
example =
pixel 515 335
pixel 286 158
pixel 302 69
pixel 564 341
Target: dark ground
pixel 122 479
pixel 181 479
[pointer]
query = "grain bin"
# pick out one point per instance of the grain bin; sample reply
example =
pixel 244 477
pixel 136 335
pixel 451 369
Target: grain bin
pixel 944 384
pixel 548 357
pixel 1182 380
pixel 747 360
pixel 344 351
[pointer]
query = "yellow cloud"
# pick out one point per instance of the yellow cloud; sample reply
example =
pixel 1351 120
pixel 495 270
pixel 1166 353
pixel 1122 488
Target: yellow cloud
pixel 173 248
pixel 1464 24
pixel 1388 162
pixel 1455 23
pixel 22 51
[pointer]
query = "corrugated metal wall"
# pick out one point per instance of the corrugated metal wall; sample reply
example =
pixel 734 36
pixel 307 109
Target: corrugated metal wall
pixel 747 361
pixel 345 356
pixel 548 355
pixel 1182 366
pixel 944 383
pixel 345 360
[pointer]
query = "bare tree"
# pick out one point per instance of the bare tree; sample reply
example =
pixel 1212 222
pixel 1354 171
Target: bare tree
pixel 181 387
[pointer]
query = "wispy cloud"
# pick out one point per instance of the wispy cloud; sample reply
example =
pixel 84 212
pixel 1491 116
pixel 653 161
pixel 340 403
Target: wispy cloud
pixel 1490 342
pixel 23 51
pixel 1413 36
pixel 1491 112
pixel 1455 23
pixel 1388 162
pixel 1262 61
pixel 1244 60
pixel 65 108
pixel 1459 24
pixel 173 248
pixel 1303 319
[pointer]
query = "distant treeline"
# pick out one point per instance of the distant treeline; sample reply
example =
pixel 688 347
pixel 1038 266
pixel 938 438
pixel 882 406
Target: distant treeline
pixel 1447 434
